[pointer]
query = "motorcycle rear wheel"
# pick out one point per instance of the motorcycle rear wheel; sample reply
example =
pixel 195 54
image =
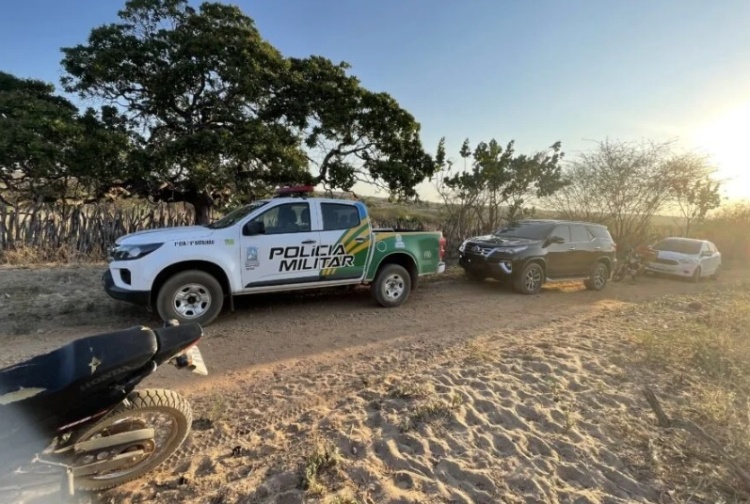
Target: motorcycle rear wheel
pixel 165 403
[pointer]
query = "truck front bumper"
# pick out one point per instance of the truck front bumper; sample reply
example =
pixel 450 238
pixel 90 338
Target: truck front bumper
pixel 142 298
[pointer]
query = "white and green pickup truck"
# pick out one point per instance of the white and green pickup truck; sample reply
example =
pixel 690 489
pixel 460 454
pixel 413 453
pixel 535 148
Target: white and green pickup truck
pixel 285 243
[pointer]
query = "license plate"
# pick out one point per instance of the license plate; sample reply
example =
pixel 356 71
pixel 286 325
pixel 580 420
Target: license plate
pixel 195 361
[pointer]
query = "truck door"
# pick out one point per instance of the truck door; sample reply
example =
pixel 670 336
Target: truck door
pixel 345 236
pixel 284 251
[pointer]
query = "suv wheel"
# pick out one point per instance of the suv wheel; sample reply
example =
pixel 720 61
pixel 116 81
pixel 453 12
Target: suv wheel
pixel 598 278
pixel 530 280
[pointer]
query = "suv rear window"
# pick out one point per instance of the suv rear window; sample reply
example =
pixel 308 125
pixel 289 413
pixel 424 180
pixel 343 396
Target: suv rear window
pixel 578 234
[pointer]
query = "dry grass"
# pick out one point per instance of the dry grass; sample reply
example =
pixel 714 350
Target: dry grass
pixel 700 359
pixel 25 255
pixel 321 462
pixel 433 410
pixel 46 233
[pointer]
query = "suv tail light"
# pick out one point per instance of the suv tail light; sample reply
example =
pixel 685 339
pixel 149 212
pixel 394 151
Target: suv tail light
pixel 443 241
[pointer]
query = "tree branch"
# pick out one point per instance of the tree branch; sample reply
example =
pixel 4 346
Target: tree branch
pixel 664 421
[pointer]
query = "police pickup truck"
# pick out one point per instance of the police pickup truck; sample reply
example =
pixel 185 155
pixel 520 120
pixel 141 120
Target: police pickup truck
pixel 288 242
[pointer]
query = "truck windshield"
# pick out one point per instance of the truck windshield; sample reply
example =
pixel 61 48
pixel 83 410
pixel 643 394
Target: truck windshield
pixel 525 230
pixel 237 215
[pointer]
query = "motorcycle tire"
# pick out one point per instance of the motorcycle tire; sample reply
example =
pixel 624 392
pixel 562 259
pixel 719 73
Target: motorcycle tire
pixel 158 401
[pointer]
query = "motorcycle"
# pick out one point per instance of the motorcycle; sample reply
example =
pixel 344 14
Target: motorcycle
pixel 633 265
pixel 72 419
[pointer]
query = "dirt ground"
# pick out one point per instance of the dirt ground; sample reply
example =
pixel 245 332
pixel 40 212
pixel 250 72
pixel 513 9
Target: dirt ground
pixel 468 393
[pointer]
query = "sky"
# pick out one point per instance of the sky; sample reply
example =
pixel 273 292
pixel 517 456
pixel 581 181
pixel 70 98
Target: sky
pixel 536 72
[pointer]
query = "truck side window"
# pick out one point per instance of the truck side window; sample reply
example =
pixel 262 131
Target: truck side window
pixel 339 216
pixel 287 218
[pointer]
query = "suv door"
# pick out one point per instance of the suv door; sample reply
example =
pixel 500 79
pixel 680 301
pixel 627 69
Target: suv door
pixel 584 255
pixel 559 255
pixel 346 237
pixel 285 252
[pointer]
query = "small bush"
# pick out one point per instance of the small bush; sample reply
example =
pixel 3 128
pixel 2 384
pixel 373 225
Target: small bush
pixel 322 459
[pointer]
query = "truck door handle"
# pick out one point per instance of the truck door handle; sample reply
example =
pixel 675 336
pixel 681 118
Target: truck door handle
pixel 571 248
pixel 597 248
pixel 359 240
pixel 308 242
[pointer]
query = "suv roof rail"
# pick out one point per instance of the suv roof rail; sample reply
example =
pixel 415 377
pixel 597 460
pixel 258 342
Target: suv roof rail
pixel 564 221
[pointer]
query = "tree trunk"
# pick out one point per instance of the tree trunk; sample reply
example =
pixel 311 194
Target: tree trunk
pixel 202 214
pixel 202 203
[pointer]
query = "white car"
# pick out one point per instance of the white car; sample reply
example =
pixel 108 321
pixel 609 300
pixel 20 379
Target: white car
pixel 685 257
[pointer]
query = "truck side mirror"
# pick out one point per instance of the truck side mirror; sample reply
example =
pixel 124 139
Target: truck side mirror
pixel 253 228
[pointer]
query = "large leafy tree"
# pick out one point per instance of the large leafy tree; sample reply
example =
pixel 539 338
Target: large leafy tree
pixel 50 152
pixel 351 134
pixel 500 183
pixel 223 111
pixel 197 83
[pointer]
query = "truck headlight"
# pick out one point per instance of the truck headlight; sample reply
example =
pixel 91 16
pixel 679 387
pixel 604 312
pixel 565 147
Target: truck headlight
pixel 463 246
pixel 130 252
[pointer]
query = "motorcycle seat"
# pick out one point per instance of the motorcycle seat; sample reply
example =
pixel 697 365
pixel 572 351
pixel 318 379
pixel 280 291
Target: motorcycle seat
pixel 84 363
pixel 174 339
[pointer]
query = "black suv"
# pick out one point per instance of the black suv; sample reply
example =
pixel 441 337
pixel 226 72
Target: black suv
pixel 531 252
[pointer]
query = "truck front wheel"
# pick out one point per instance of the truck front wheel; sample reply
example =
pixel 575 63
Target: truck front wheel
pixel 190 296
pixel 392 286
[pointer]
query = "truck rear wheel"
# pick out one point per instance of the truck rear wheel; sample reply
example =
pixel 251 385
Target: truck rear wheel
pixel 392 286
pixel 190 296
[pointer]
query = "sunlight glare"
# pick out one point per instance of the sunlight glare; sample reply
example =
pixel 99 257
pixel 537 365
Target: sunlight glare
pixel 724 140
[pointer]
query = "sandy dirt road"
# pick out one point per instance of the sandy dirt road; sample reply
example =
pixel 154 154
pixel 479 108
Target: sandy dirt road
pixel 43 308
pixel 468 393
